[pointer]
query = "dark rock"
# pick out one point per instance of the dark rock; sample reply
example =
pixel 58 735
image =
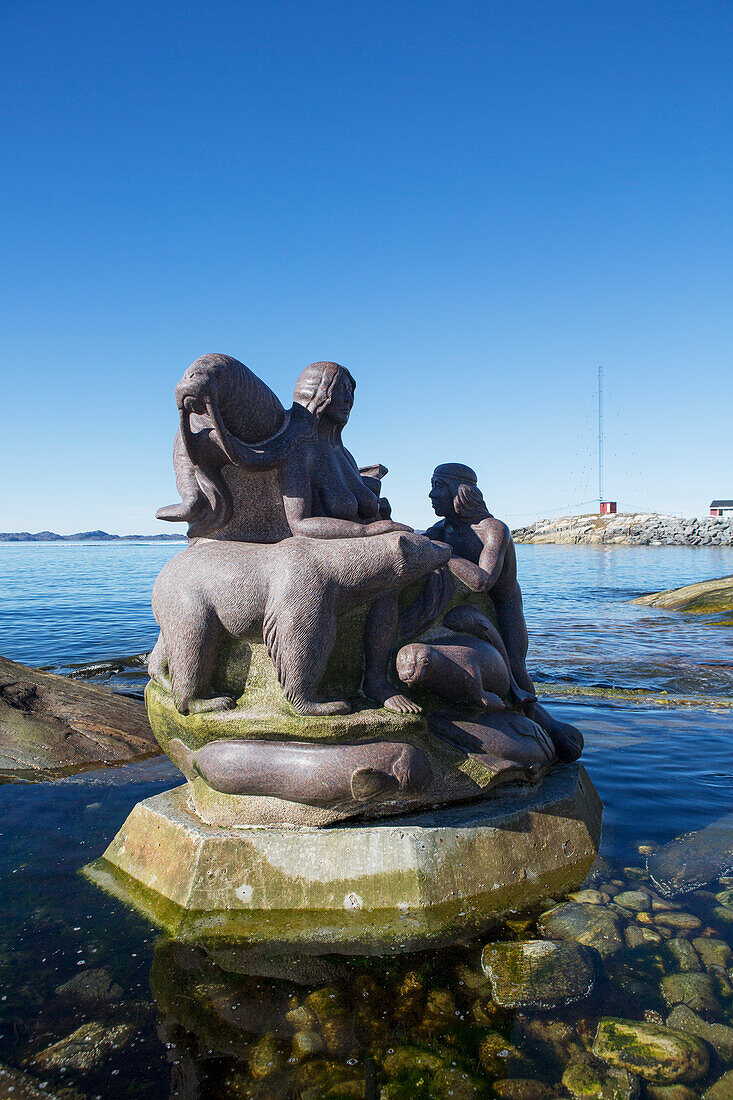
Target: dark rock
pixel 539 974
pixel 49 724
pixel 694 859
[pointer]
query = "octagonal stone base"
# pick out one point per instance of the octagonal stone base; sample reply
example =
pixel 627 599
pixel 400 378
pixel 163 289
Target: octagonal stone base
pixel 389 883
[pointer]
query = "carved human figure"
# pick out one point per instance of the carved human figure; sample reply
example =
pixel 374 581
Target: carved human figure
pixel 485 560
pixel 326 497
pixel 483 556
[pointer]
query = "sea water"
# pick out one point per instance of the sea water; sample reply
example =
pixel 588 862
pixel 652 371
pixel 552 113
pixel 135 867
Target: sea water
pixel 94 1002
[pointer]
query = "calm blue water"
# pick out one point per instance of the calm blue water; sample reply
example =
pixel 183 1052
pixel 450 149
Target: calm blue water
pixel 193 1026
pixel 71 603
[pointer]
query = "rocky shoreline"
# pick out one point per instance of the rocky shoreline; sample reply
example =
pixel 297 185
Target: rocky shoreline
pixel 629 529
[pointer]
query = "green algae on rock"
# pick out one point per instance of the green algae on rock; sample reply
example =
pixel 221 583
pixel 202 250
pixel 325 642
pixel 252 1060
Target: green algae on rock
pixel 539 974
pixel 704 598
pixel 658 1054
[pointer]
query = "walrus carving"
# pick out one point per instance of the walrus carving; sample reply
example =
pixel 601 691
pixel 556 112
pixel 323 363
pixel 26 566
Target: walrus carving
pixel 305 772
pixel 290 590
pixel 227 416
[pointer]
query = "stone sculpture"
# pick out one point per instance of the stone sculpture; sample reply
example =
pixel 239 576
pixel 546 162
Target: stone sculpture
pixel 484 560
pixel 320 664
pixel 295 570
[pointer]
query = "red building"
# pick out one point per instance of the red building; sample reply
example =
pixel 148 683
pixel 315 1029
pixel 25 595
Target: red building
pixel 608 507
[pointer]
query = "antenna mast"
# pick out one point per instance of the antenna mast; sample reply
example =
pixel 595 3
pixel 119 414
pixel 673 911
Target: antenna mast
pixel 600 434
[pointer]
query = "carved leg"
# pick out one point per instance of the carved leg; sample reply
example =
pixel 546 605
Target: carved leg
pixel 191 651
pixel 299 640
pixel 380 633
pixel 513 630
pixel 158 665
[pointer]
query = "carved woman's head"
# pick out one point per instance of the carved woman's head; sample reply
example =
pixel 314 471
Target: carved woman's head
pixel 326 389
pixel 454 491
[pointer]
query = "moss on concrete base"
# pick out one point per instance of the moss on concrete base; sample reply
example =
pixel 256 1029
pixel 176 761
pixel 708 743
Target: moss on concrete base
pixel 408 879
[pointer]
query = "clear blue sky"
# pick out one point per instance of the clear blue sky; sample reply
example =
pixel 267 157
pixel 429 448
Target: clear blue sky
pixel 470 204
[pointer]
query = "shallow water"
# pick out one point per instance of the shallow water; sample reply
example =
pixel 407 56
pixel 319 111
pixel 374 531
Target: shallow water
pixel 193 1024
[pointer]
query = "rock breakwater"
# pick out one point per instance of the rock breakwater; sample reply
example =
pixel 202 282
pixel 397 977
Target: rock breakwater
pixel 629 529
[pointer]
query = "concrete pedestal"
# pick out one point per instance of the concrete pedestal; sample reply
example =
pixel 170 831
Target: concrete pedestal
pixel 391 882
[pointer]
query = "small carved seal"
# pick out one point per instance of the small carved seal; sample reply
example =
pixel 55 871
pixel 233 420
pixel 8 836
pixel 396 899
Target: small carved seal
pixel 458 669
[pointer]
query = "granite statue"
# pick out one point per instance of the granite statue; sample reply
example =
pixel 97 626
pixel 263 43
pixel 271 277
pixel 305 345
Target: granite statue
pixel 484 559
pixel 291 592
pixel 309 643
pixel 322 665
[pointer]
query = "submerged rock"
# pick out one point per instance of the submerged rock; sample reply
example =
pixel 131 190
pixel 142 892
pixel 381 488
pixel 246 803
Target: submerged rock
pixel 590 925
pixel 51 723
pixel 694 859
pixel 91 986
pixel 85 1048
pixel 719 1036
pixel 522 1088
pixel 588 1078
pixel 20 1086
pixel 501 1058
pixel 636 900
pixel 658 1054
pixel 684 954
pixel 538 974
pixel 722 1089
pixel 696 990
pixel 715 954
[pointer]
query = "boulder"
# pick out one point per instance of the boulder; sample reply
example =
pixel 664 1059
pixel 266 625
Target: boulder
pixel 588 1078
pixel 694 989
pixel 719 1036
pixel 591 925
pixel 693 859
pixel 658 1054
pixel 50 725
pixel 539 974
pixel 704 598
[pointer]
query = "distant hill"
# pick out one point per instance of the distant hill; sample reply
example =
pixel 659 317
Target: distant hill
pixel 83 536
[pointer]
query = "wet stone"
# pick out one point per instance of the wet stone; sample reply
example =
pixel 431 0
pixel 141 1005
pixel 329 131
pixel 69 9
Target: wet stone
pixel 588 1078
pixel 696 990
pixel 266 1058
pixel 522 1088
pixel 687 922
pixel 306 1044
pixel 538 974
pixel 551 1042
pixel 637 936
pixel 499 1057
pixel 636 900
pixel 725 897
pixel 591 925
pixel 91 986
pixel 715 954
pixel 453 1083
pixel 722 1089
pixel 718 1036
pixel 408 1059
pixel 670 1092
pixel 588 897
pixel 85 1048
pixel 684 955
pixel 658 1054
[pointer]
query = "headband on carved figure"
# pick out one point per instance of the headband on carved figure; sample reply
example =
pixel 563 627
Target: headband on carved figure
pixel 316 384
pixel 468 500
